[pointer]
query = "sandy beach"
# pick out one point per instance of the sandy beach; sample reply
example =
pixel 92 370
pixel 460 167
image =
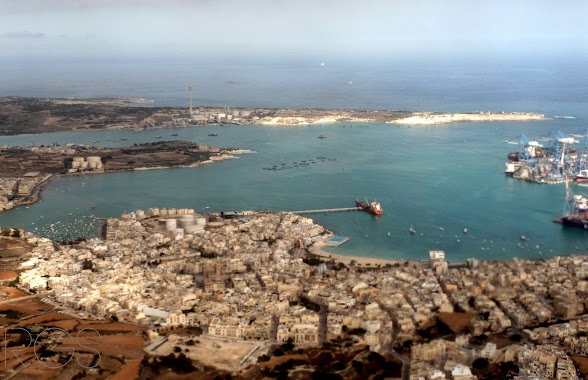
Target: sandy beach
pixel 427 118
pixel 293 118
pixel 360 261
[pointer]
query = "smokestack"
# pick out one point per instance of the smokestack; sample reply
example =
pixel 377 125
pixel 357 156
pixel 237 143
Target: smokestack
pixel 190 102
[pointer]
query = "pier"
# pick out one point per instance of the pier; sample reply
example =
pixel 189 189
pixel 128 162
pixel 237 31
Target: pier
pixel 325 210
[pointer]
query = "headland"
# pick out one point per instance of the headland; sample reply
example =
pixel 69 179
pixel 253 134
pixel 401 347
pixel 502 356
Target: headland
pixel 25 170
pixel 20 115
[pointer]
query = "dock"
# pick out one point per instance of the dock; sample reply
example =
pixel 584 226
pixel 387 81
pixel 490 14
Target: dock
pixel 325 210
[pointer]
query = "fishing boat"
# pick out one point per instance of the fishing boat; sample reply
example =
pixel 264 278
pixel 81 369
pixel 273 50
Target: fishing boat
pixel 371 207
pixel 322 137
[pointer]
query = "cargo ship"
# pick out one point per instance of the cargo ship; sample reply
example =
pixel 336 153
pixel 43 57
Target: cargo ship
pixel 575 210
pixel 371 207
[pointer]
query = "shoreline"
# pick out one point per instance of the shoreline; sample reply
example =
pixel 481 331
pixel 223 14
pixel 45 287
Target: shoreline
pixel 37 192
pixel 128 114
pixel 369 262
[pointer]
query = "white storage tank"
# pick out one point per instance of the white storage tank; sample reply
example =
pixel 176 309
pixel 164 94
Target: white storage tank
pixel 92 164
pixel 140 214
pixel 96 159
pixel 186 221
pixel 201 221
pixel 163 212
pixel 172 212
pixel 84 165
pixel 171 224
pixel 192 229
pixel 215 224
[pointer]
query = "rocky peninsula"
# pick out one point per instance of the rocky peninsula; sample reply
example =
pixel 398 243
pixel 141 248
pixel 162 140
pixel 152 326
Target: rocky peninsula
pixel 20 115
pixel 25 170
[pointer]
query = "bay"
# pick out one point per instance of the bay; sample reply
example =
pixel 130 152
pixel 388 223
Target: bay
pixel 440 179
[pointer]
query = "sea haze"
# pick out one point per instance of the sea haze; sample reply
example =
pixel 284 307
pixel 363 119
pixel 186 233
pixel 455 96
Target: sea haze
pixel 435 83
pixel 440 179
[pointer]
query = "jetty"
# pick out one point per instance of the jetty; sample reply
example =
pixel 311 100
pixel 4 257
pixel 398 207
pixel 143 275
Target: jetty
pixel 325 210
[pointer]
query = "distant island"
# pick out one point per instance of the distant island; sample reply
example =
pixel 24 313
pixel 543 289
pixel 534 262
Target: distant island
pixel 20 115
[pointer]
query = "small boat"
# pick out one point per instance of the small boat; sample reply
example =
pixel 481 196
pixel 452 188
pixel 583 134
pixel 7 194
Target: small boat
pixel 174 134
pixel 322 137
pixel 124 139
pixel 212 134
pixel 157 137
pixel 411 230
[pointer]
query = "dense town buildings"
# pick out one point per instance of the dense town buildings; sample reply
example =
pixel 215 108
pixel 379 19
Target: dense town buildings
pixel 248 277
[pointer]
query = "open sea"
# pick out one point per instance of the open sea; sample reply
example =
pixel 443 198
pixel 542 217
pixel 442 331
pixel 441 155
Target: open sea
pixel 439 179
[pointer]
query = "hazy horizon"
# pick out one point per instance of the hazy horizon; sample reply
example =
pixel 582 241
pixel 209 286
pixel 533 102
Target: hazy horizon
pixel 177 29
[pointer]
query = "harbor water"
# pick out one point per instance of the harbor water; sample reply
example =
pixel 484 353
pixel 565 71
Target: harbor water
pixel 439 179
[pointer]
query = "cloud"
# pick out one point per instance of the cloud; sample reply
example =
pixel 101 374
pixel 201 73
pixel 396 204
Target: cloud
pixel 23 34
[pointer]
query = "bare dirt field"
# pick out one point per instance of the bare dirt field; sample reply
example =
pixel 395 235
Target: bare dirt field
pixel 215 352
pixel 109 326
pixel 457 322
pixel 6 275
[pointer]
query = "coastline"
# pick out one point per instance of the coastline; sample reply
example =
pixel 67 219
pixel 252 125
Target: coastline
pixel 415 118
pixel 360 261
pixel 129 114
pixel 428 118
pixel 36 194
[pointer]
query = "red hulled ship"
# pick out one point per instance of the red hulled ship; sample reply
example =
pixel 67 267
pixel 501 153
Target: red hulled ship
pixel 371 207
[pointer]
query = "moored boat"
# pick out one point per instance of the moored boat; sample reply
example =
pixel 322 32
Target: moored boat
pixel 582 176
pixel 371 207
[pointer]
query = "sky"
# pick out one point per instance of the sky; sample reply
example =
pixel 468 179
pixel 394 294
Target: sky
pixel 33 29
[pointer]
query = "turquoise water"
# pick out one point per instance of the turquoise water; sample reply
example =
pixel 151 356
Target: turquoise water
pixel 439 179
pixel 448 177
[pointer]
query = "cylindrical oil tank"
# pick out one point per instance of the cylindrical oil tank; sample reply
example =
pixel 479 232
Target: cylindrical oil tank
pixel 75 164
pixel 163 212
pixel 171 224
pixel 172 212
pixel 140 214
pixel 215 224
pixel 96 159
pixel 92 164
pixel 192 229
pixel 84 165
pixel 154 211
pixel 201 221
pixel 186 221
